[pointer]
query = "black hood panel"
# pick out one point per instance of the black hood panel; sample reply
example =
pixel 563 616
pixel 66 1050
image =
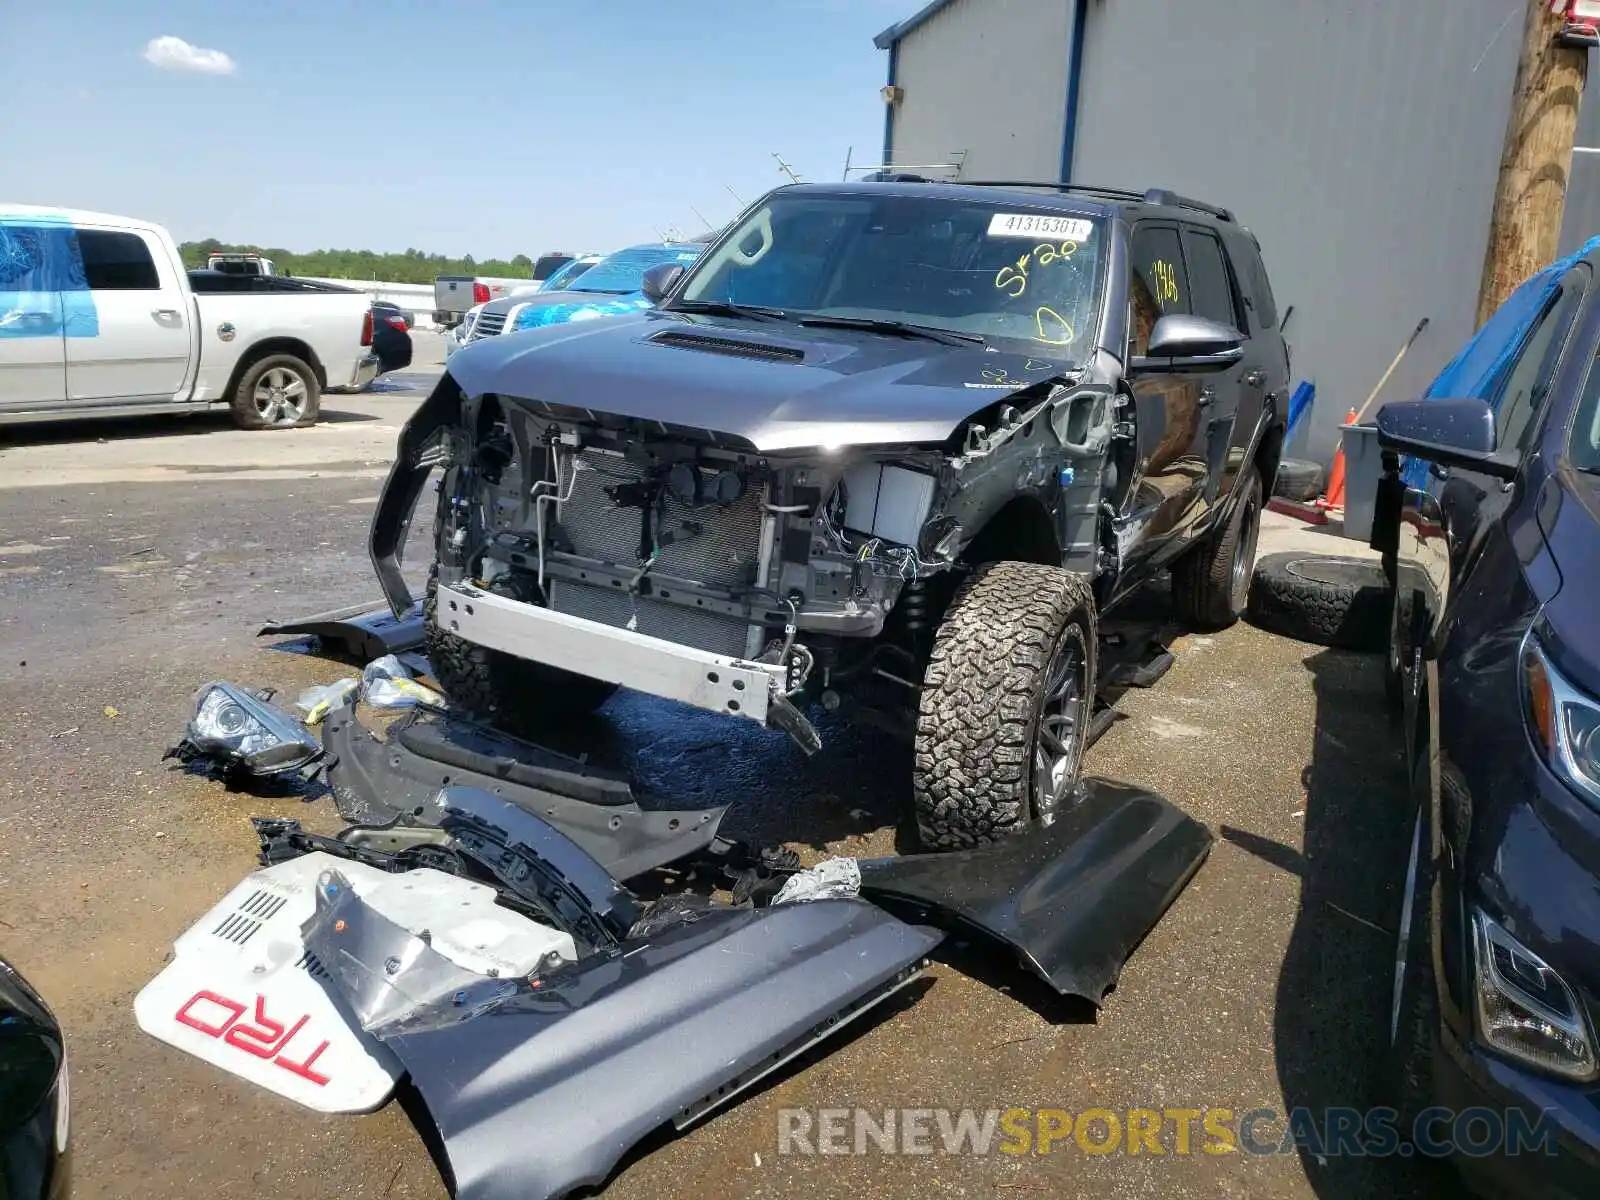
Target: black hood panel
pixel 792 388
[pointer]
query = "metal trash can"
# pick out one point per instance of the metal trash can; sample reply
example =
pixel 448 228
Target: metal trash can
pixel 1363 467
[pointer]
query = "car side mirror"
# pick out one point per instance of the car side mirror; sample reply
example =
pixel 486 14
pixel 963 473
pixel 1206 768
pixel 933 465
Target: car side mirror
pixel 1451 433
pixel 659 281
pixel 1180 342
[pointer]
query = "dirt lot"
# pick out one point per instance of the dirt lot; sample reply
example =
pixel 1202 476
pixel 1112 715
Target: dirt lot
pixel 138 559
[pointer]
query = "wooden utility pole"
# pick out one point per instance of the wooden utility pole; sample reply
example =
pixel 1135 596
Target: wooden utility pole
pixel 1525 231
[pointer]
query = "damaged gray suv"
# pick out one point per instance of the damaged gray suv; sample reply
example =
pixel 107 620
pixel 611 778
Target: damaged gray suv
pixel 889 448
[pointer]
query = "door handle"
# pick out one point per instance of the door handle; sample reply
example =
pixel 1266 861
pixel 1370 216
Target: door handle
pixel 167 314
pixel 1256 378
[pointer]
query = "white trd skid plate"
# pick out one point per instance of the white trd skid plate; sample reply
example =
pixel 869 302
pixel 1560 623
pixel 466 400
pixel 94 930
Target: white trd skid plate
pixel 243 994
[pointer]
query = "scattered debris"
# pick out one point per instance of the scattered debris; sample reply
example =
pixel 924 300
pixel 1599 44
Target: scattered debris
pixel 61 733
pixel 239 735
pixel 112 713
pixel 315 702
pixel 1345 912
pixel 387 683
pixel 828 880
pixel 362 632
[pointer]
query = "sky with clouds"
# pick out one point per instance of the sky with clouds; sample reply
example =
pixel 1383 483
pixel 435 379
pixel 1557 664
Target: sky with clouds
pixel 481 129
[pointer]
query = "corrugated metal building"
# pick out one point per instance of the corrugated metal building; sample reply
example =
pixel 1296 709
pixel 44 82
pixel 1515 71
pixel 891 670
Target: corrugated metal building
pixel 1359 139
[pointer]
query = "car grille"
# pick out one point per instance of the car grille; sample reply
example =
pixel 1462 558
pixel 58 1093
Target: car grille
pixel 488 325
pixel 723 554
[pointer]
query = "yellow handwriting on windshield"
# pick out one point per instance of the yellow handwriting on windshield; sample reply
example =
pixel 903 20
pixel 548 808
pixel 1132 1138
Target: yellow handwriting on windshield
pixel 1015 276
pixel 1166 288
pixel 1013 279
pixel 1054 329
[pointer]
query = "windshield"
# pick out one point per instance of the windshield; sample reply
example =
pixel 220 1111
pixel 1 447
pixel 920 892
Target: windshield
pixel 968 266
pixel 623 272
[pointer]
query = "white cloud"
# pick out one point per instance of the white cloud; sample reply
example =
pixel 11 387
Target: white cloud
pixel 175 54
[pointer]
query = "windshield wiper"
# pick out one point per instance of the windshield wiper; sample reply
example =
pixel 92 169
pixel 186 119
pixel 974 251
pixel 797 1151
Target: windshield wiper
pixel 948 337
pixel 726 308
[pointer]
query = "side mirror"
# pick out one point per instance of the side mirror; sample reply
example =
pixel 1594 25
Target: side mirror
pixel 659 281
pixel 1180 342
pixel 1452 433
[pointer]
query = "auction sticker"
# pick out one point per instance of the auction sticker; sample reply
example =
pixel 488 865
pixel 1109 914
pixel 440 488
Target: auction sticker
pixel 1032 225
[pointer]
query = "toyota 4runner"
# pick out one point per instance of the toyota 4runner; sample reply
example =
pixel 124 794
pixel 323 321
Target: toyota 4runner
pixel 889 447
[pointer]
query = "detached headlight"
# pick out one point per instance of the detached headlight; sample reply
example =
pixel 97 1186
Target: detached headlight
pixel 1565 722
pixel 1525 1010
pixel 239 730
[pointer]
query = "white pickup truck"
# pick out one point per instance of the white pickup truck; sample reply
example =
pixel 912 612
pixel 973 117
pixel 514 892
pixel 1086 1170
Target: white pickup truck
pixel 99 318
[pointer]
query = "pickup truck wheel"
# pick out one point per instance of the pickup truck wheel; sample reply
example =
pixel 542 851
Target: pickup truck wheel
pixel 1211 583
pixel 278 392
pixel 510 693
pixel 1006 702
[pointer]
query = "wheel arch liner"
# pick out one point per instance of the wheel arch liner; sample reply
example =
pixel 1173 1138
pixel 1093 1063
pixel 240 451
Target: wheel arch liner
pixel 403 487
pixel 548 1095
pixel 1074 899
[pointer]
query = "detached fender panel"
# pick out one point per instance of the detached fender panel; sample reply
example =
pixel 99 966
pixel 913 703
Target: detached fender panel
pixel 1074 900
pixel 539 1088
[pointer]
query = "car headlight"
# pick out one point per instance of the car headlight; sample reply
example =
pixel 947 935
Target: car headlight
pixel 1525 1010
pixel 1564 722
pixel 241 729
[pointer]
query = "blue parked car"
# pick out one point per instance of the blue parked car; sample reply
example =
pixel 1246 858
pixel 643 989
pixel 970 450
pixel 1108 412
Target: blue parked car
pixel 1495 661
pixel 609 287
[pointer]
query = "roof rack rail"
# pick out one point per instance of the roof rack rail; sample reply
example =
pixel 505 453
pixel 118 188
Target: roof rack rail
pixel 1172 199
pixel 1161 196
pixel 1087 189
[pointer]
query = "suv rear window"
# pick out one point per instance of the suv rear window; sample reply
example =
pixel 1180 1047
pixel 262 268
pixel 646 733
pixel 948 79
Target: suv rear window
pixel 1210 285
pixel 114 261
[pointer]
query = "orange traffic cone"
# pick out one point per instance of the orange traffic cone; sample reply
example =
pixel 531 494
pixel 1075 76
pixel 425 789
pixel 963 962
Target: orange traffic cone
pixel 1334 496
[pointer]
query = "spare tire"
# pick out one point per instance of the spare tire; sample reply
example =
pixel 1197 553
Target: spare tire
pixel 1325 599
pixel 1298 479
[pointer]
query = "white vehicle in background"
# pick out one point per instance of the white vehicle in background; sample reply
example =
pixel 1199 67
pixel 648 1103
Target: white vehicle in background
pixel 462 333
pixel 453 295
pixel 98 318
pixel 241 264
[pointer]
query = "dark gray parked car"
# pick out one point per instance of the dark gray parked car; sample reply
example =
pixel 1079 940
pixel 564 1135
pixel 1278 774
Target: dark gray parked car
pixel 890 446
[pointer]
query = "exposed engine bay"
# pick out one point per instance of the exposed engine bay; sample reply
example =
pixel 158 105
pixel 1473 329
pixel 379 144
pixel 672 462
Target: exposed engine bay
pixel 828 566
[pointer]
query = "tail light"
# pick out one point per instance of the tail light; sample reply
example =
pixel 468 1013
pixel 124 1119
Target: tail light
pixel 480 293
pixel 1580 24
pixel 397 323
pixel 366 329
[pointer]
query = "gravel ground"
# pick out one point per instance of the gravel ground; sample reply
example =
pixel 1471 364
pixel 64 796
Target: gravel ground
pixel 144 570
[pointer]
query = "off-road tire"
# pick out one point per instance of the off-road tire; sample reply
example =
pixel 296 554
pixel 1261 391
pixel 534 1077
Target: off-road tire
pixel 1203 581
pixel 1298 479
pixel 242 402
pixel 973 768
pixel 510 693
pixel 1324 599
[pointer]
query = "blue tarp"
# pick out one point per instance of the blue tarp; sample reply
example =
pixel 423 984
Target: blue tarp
pixel 43 291
pixel 1481 367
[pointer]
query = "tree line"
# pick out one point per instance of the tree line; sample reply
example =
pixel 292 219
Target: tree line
pixel 412 266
